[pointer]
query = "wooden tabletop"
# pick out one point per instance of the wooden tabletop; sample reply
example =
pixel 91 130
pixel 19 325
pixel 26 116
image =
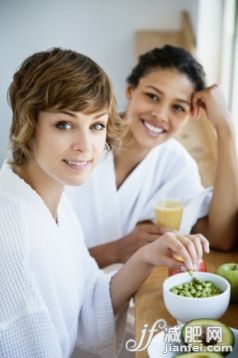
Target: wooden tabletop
pixel 149 305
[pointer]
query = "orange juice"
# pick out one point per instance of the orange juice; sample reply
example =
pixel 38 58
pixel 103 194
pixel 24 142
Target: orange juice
pixel 169 213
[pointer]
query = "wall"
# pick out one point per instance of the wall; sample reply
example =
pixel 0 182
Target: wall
pixel 209 35
pixel 102 29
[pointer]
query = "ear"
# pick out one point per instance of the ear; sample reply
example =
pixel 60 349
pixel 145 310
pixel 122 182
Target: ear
pixel 129 91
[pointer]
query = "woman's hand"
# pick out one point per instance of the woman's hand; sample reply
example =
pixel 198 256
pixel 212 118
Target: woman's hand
pixel 161 252
pixel 212 100
pixel 222 217
pixel 119 251
pixel 174 245
pixel 143 234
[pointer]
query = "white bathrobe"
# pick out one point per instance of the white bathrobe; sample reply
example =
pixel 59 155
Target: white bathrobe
pixel 167 172
pixel 52 293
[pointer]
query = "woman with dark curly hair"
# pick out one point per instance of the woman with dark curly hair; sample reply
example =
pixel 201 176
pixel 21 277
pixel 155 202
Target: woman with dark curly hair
pixel 165 89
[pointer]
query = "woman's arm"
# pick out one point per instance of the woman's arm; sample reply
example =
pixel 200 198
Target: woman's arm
pixel 221 226
pixel 160 252
pixel 120 250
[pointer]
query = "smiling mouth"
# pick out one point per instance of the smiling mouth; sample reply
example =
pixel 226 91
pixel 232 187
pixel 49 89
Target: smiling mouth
pixel 152 129
pixel 77 164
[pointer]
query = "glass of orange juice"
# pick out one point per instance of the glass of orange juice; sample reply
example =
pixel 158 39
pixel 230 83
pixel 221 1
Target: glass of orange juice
pixel 169 213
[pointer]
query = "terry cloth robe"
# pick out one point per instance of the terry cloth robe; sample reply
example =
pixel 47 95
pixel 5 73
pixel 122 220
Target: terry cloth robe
pixel 52 293
pixel 167 172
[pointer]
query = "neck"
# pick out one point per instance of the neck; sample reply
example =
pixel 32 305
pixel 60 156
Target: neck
pixel 130 145
pixel 49 190
pixel 128 157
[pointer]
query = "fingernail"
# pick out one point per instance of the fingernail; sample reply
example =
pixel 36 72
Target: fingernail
pixel 183 268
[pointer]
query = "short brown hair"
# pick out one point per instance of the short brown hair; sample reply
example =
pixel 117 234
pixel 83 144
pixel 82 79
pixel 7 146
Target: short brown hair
pixel 56 80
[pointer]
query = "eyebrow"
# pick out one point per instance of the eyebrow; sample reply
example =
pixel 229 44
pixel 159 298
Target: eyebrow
pixel 101 115
pixel 177 99
pixel 73 115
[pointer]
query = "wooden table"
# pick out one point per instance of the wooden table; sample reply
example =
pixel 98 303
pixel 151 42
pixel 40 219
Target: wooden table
pixel 149 305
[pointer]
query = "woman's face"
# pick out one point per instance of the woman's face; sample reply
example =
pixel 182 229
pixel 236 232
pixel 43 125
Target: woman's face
pixel 159 106
pixel 68 145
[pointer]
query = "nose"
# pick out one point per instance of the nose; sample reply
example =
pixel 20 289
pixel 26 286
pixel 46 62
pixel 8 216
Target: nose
pixel 81 142
pixel 161 113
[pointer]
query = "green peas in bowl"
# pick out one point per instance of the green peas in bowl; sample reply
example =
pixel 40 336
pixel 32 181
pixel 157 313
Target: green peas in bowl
pixel 203 295
pixel 196 288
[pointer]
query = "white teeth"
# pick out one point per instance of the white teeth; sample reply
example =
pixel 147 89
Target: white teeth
pixel 77 163
pixel 152 128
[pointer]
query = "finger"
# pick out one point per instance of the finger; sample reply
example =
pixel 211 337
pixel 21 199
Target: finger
pixel 144 222
pixel 172 263
pixel 145 237
pixel 197 105
pixel 152 237
pixel 199 113
pixel 154 229
pixel 205 243
pixel 176 245
pixel 195 110
pixel 190 246
pixel 163 229
pixel 197 244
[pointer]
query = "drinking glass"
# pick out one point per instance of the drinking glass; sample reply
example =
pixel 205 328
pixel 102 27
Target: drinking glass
pixel 169 213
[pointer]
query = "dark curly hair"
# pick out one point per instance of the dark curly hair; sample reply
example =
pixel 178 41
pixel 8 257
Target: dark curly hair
pixel 168 57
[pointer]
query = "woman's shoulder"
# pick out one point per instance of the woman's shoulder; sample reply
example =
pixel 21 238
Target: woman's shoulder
pixel 9 208
pixel 173 145
pixel 173 150
pixel 13 223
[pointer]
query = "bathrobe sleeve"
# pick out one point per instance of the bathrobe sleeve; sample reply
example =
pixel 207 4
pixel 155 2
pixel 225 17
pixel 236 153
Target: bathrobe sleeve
pixel 99 330
pixel 26 329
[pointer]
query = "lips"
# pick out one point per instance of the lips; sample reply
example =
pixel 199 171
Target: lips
pixel 76 164
pixel 153 129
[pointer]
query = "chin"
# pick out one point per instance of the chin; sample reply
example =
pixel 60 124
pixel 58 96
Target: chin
pixel 75 180
pixel 151 143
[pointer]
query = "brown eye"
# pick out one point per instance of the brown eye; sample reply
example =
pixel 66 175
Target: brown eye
pixel 178 108
pixel 152 96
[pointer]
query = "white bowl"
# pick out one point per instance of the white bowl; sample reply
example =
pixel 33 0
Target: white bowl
pixel 185 309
